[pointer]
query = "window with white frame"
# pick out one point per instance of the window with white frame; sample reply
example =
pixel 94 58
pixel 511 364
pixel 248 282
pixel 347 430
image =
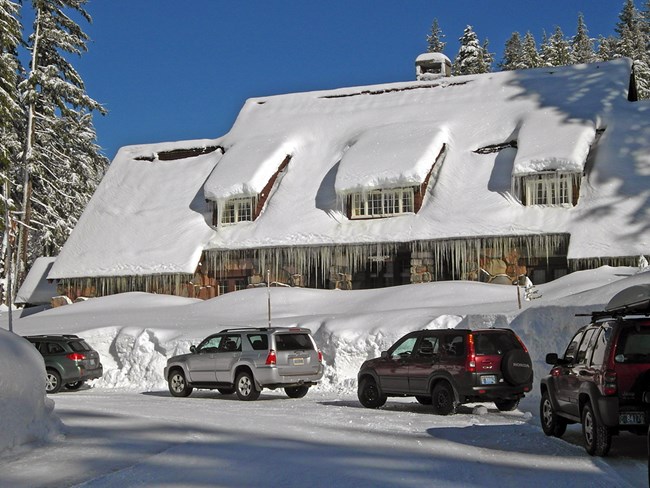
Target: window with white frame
pixel 238 210
pixel 382 203
pixel 551 188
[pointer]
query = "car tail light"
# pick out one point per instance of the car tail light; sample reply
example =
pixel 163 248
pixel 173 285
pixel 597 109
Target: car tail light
pixel 470 366
pixel 76 356
pixel 271 359
pixel 320 356
pixel 522 344
pixel 609 383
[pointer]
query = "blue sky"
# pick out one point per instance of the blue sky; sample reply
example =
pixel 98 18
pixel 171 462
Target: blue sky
pixel 170 70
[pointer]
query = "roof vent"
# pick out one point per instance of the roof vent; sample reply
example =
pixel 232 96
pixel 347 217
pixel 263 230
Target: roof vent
pixel 429 66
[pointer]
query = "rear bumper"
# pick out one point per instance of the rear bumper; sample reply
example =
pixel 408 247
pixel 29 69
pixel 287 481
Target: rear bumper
pixel 83 374
pixel 497 392
pixel 273 378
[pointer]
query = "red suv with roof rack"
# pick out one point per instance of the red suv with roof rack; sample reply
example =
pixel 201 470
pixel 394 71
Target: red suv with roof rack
pixel 446 368
pixel 603 378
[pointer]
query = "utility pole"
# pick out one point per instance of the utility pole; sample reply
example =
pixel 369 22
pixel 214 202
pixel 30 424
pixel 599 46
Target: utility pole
pixel 268 289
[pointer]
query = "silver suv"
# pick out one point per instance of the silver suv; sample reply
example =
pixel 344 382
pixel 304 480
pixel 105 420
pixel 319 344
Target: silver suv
pixel 246 360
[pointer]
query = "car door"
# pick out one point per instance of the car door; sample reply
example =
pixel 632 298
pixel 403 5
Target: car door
pixel 580 372
pixel 202 363
pixel 227 355
pixel 393 369
pixel 424 361
pixel 564 374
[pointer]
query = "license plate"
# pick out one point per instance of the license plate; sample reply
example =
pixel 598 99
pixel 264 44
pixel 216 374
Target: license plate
pixel 488 379
pixel 298 361
pixel 632 418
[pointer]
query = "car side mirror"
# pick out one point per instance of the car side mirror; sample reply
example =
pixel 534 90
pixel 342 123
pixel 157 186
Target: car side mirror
pixel 384 354
pixel 193 349
pixel 551 358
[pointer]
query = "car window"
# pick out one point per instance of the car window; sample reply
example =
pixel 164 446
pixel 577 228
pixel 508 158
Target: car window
pixel 454 345
pixel 429 346
pixel 210 345
pixel 290 342
pixel 230 343
pixel 633 345
pixel 572 348
pixel 404 348
pixel 600 341
pixel 54 348
pixel 581 356
pixel 79 346
pixel 259 342
pixel 495 343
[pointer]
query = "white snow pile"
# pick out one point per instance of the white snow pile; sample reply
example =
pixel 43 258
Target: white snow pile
pixel 26 415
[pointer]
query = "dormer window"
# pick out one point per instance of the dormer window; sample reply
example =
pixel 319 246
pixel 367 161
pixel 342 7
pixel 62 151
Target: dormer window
pixel 241 209
pixel 550 188
pixel 382 203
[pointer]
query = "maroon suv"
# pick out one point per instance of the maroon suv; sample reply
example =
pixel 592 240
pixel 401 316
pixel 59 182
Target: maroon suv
pixel 446 368
pixel 603 378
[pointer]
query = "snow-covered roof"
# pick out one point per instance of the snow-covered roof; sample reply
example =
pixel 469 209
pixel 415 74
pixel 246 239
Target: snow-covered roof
pixel 148 217
pixel 36 290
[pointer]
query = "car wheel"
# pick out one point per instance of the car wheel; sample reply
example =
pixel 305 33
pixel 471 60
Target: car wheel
pixel 443 399
pixel 517 367
pixel 52 381
pixel 552 424
pixel 226 391
pixel 506 405
pixel 74 386
pixel 178 386
pixel 598 438
pixel 245 387
pixel 369 394
pixel 296 391
pixel 424 400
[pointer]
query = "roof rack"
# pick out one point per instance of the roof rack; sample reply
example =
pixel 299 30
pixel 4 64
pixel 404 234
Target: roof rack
pixel 634 300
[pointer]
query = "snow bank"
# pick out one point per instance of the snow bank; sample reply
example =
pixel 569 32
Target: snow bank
pixel 26 414
pixel 135 333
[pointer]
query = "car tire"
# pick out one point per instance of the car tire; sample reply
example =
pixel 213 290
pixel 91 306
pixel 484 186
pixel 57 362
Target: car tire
pixel 517 367
pixel 245 387
pixel 178 386
pixel 424 400
pixel 369 394
pixel 443 399
pixel 506 405
pixel 74 386
pixel 552 424
pixel 598 438
pixel 296 391
pixel 52 381
pixel 226 391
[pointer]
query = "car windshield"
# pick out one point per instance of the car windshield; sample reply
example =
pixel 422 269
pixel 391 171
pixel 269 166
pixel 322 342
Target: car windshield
pixel 634 345
pixel 493 343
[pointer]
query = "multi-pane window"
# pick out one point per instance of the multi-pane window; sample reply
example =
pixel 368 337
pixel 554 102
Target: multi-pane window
pixel 382 203
pixel 549 188
pixel 238 210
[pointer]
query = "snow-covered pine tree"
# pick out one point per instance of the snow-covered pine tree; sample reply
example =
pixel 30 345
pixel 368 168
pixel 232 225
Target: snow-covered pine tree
pixel 582 46
pixel 633 41
pixel 470 59
pixel 54 187
pixel 512 53
pixel 488 57
pixel 530 57
pixel 435 42
pixel 556 50
pixel 10 117
pixel 607 48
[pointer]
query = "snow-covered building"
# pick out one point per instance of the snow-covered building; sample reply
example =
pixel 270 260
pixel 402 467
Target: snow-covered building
pixel 429 66
pixel 488 177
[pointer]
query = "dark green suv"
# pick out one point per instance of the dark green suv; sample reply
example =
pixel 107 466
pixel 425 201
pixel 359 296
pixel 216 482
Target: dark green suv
pixel 69 361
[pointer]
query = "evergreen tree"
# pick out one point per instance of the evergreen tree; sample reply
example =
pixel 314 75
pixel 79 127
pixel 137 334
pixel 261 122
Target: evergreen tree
pixel 471 57
pixel 512 53
pixel 488 57
pixel 607 47
pixel 556 50
pixel 434 39
pixel 582 46
pixel 530 56
pixel 633 42
pixel 58 122
pixel 10 118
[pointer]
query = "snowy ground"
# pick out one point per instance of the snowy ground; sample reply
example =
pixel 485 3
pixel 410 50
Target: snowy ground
pixel 127 430
pixel 130 438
